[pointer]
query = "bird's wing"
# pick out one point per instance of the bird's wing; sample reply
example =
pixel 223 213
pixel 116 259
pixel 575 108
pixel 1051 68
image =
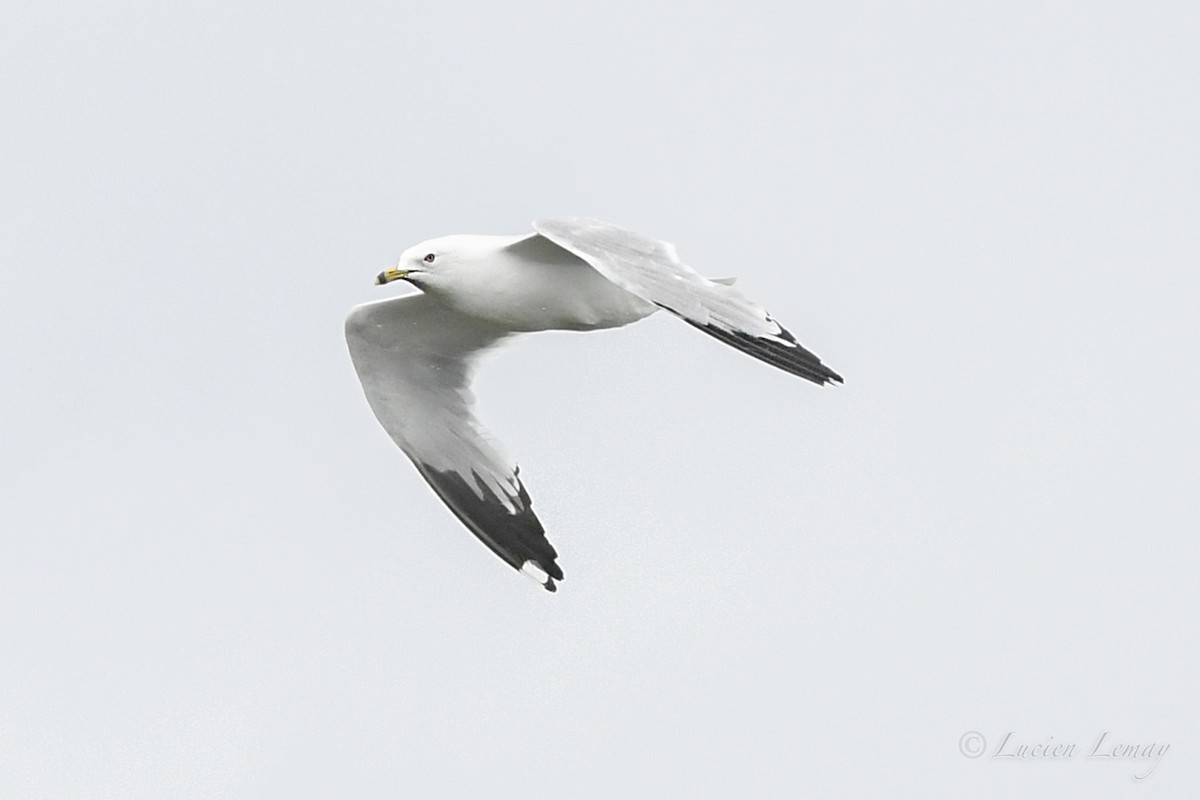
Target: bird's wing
pixel 652 270
pixel 415 359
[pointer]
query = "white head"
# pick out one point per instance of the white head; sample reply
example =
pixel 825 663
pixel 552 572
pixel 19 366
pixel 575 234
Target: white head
pixel 434 263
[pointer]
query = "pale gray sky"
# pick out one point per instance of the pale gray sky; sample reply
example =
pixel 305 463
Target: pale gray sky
pixel 220 579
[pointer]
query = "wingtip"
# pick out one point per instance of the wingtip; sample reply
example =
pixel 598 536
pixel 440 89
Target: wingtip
pixel 534 571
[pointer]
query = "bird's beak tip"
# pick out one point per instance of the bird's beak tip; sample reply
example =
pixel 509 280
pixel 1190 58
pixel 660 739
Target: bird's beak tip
pixel 389 275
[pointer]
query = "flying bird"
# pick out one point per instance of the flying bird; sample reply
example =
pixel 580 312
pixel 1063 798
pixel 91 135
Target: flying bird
pixel 415 355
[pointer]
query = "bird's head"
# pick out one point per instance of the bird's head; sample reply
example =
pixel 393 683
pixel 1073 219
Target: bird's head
pixel 420 263
pixel 431 264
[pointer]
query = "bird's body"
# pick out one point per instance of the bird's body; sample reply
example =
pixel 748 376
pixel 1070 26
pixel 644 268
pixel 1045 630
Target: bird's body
pixel 526 284
pixel 415 355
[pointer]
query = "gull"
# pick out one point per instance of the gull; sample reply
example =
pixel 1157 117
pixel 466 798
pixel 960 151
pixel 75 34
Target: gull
pixel 415 355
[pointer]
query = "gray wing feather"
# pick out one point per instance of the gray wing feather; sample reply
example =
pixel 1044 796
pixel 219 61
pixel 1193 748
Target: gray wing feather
pixel 652 270
pixel 415 359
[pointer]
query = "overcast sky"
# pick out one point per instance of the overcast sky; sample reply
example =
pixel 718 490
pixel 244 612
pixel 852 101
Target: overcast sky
pixel 219 578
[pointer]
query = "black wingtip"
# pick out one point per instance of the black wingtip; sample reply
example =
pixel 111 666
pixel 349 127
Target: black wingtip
pixel 516 536
pixel 787 355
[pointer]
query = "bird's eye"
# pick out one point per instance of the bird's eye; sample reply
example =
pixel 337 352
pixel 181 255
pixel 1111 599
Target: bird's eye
pixel 428 258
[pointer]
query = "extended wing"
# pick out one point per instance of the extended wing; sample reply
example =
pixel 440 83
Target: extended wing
pixel 652 270
pixel 415 359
